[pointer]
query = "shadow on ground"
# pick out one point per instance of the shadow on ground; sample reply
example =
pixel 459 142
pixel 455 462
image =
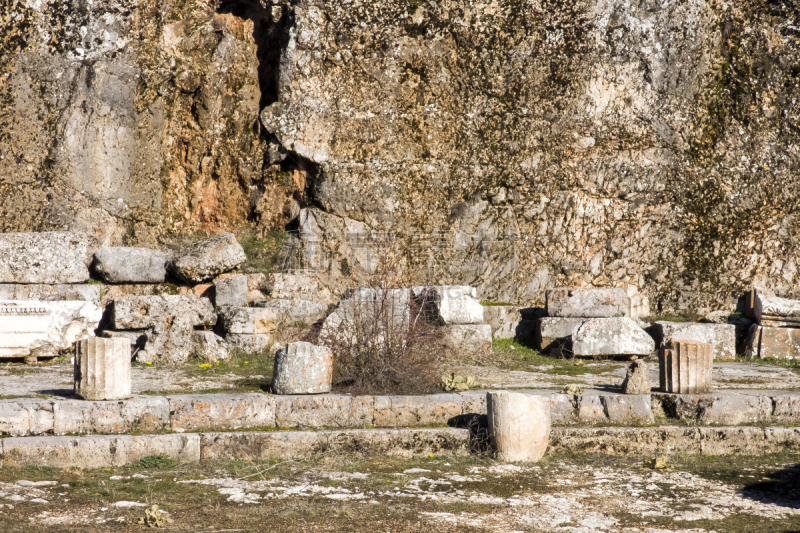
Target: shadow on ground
pixel 782 489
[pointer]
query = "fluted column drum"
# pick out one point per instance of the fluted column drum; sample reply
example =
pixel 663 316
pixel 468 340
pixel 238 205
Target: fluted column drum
pixel 103 368
pixel 685 367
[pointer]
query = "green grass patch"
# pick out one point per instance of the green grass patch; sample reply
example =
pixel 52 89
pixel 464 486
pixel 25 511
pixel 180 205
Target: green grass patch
pixel 789 364
pixel 263 255
pixel 490 303
pixel 511 354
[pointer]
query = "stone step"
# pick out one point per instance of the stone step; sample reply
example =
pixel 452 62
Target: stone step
pixel 98 451
pixel 198 412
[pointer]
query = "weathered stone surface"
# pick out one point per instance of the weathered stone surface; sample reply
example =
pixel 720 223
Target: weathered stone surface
pixel 628 409
pixel 130 265
pixel 49 257
pixel 210 347
pixel 43 329
pixel 137 338
pixel 777 343
pixel 221 411
pixel 734 410
pixel 685 367
pixel 208 258
pixel 51 293
pixel 291 312
pixel 231 292
pixel 324 410
pixel 139 312
pixel 591 409
pixel 722 337
pixel 504 320
pixel 786 409
pixel 369 312
pixel 97 451
pixel 639 303
pixel 248 320
pixel 611 336
pixel 140 414
pixel 470 338
pixel 759 306
pixel 102 369
pixel 304 287
pixel 393 411
pixel 169 342
pixel 450 304
pixel 519 425
pixel 473 402
pixel 25 416
pixel 554 334
pixel 248 343
pixel 636 380
pixel 405 443
pixel 587 303
pixel 302 368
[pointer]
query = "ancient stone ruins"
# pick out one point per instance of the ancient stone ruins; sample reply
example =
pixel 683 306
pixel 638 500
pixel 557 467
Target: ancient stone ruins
pixel 402 265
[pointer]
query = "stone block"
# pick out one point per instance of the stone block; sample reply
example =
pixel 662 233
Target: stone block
pixel 450 304
pixel 473 402
pixel 25 416
pixel 733 441
pixel 774 343
pixel 640 306
pixel 636 380
pixel 140 312
pixel 247 320
pixel 591 410
pixel 587 303
pixel 786 409
pixel 43 329
pixel 231 292
pixel 102 369
pixel 562 409
pixel 290 312
pixel 208 259
pixel 51 293
pixel 98 451
pixel 628 409
pixel 170 342
pixel 469 338
pixel 722 337
pixel 554 334
pixel 503 319
pixel 302 368
pixel 519 425
pixel 758 306
pixel 248 343
pixel 221 411
pixel 611 336
pixel 143 414
pixel 734 410
pixel 304 287
pixel 136 338
pixel 324 410
pixel 405 443
pixel 685 367
pixel 393 411
pixel 47 257
pixel 130 265
pixel 210 347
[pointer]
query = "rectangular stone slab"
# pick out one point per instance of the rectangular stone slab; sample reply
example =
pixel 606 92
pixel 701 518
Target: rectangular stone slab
pixel 587 303
pixel 504 320
pixel 757 304
pixel 721 337
pixel 555 333
pixel 48 292
pixel 47 257
pixel 775 343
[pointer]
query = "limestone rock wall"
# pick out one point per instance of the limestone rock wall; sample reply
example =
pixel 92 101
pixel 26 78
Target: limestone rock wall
pixel 513 145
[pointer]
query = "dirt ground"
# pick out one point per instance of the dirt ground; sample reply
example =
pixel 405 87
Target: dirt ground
pixel 575 494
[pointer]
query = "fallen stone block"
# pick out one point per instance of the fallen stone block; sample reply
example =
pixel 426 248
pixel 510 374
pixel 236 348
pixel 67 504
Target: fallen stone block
pixel 47 257
pixel 208 258
pixel 587 303
pixel 404 443
pixel 470 338
pixel 102 369
pixel 722 337
pixel 628 409
pixel 247 320
pixel 24 416
pixel 554 334
pixel 302 368
pixel 733 410
pixel 210 347
pixel 450 304
pixel 170 342
pixel 611 336
pixel 636 380
pixel 221 411
pixel 416 410
pixel 685 367
pixel 773 343
pixel 51 293
pixel 290 286
pixel 759 306
pixel 97 451
pixel 140 312
pixel 231 292
pixel 291 312
pixel 130 265
pixel 139 414
pixel 324 410
pixel 519 425
pixel 503 319
pixel 248 343
pixel 43 329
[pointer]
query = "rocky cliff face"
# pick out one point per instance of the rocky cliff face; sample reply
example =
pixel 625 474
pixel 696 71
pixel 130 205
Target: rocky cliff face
pixel 514 145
